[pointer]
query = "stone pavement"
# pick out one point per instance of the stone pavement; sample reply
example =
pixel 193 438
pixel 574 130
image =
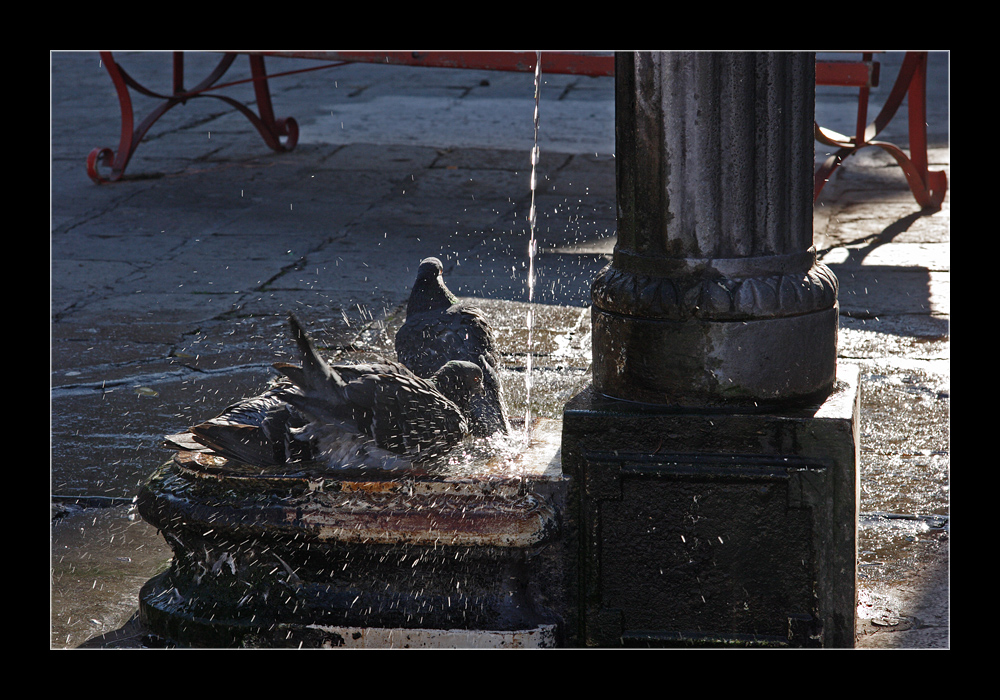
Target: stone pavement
pixel 169 288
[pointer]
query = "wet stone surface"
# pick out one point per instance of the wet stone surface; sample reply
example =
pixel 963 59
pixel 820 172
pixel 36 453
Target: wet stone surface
pixel 101 557
pixel 893 264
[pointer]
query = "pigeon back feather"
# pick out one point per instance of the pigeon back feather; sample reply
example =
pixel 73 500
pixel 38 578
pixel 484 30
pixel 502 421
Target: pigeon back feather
pixel 384 403
pixel 259 431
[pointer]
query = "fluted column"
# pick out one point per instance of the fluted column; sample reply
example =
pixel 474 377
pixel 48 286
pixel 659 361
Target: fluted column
pixel 714 295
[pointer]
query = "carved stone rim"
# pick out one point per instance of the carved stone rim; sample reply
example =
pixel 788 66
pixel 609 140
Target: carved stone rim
pixel 713 295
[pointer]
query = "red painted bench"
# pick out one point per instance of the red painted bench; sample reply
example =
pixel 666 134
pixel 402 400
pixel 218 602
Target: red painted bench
pixel 928 187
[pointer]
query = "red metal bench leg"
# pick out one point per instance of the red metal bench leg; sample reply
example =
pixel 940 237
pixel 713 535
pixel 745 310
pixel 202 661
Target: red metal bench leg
pixel 932 185
pixel 928 187
pixel 131 138
pixel 270 129
pixel 273 128
pixel 105 156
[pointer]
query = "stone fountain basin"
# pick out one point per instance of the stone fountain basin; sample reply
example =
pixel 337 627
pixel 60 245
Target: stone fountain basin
pixel 206 489
pixel 305 558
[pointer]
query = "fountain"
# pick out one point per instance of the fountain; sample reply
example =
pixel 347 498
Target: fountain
pixel 299 559
pixel 708 485
pixel 349 505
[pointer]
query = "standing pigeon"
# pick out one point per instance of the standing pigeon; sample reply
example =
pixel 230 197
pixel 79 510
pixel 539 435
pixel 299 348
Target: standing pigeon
pixel 376 416
pixel 439 328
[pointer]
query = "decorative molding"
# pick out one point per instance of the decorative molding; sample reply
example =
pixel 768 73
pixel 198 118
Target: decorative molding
pixel 717 297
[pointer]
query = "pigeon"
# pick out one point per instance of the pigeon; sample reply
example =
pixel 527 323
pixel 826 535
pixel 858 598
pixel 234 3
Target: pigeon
pixel 259 431
pixel 438 328
pixel 366 417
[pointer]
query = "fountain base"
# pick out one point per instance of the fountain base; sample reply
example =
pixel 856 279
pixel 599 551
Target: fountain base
pixel 299 559
pixel 707 527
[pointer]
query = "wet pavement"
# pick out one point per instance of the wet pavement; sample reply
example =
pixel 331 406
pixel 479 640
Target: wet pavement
pixel 169 289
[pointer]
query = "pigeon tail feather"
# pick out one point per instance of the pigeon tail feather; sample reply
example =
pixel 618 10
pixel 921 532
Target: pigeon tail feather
pixel 315 373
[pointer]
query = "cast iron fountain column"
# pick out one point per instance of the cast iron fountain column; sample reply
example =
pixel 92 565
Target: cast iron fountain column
pixel 713 460
pixel 714 295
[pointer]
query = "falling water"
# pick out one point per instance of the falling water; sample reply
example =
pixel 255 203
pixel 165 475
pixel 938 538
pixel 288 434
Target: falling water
pixel 528 380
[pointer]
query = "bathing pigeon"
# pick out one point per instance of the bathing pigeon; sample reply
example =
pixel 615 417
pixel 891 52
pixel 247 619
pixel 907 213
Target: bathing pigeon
pixel 374 416
pixel 439 328
pixel 380 414
pixel 259 431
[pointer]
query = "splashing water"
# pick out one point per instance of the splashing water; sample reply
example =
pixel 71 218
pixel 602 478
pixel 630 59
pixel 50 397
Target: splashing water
pixel 532 249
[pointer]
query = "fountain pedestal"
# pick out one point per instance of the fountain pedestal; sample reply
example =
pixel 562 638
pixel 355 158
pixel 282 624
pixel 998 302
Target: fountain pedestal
pixel 714 528
pixel 715 406
pixel 296 559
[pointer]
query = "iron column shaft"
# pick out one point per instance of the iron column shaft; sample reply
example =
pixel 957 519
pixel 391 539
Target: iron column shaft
pixel 714 295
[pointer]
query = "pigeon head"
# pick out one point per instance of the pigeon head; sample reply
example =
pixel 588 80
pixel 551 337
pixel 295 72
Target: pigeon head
pixel 429 290
pixel 459 381
pixel 429 268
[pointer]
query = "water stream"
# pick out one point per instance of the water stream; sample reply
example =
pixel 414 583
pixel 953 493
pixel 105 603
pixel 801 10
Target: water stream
pixel 532 249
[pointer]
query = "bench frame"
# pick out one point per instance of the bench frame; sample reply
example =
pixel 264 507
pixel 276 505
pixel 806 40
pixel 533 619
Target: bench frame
pixel 281 135
pixel 928 186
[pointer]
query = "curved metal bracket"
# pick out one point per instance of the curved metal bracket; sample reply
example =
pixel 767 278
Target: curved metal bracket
pixel 272 130
pixel 928 186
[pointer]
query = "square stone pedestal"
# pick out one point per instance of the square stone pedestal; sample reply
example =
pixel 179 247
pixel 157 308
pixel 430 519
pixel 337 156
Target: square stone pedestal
pixel 713 528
